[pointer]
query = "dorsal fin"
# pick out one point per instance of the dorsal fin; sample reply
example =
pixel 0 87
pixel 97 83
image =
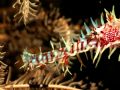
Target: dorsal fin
pixel 110 16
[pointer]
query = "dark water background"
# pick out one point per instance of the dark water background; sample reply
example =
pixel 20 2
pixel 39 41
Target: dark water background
pixel 107 70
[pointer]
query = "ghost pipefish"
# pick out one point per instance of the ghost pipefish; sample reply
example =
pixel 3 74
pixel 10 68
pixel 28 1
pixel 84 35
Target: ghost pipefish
pixel 99 39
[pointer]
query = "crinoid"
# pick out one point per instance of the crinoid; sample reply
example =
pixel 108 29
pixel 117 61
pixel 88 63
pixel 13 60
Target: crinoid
pixel 27 10
pixel 4 75
pixel 51 77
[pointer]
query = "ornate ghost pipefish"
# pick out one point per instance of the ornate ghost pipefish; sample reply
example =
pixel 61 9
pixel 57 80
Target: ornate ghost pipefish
pixel 99 39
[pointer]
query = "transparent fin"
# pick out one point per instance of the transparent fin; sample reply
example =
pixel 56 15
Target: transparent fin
pixel 81 62
pixel 119 58
pixel 101 19
pixel 96 23
pixel 93 23
pixel 91 53
pixel 113 12
pixel 86 55
pixel 67 70
pixel 52 45
pixel 67 46
pixel 97 53
pixel 83 36
pixel 112 51
pixel 87 29
pixel 101 55
pixel 98 60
